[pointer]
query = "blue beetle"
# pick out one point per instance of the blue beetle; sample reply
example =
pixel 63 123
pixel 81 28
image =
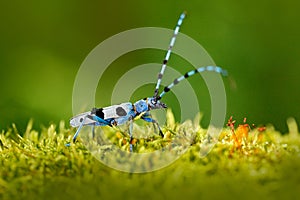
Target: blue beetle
pixel 126 112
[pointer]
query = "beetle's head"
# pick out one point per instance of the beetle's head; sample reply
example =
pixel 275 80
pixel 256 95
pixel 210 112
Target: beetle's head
pixel 154 103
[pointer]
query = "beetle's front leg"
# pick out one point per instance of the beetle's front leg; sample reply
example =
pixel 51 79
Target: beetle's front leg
pixel 147 118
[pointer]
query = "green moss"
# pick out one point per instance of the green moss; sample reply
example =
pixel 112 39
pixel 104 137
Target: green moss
pixel 37 165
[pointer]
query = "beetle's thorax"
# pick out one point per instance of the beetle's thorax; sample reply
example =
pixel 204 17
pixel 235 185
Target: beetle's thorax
pixel 140 106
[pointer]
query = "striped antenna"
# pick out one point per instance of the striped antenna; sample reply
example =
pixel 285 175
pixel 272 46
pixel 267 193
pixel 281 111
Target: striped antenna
pixel 172 42
pixel 191 73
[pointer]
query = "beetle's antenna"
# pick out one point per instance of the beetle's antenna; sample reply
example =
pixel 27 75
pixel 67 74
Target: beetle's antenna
pixel 191 73
pixel 164 64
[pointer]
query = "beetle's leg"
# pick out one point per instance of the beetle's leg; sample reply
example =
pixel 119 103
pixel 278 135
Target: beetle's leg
pixel 77 132
pixel 93 131
pixel 148 114
pixel 98 119
pixel 130 133
pixel 147 118
pixel 93 117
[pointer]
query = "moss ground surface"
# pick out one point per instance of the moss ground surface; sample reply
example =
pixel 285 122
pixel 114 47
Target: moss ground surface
pixel 245 163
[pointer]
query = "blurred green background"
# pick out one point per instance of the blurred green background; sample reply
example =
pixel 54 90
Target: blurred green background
pixel 43 44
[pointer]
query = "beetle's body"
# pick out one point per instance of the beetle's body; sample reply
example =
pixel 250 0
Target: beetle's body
pixel 117 114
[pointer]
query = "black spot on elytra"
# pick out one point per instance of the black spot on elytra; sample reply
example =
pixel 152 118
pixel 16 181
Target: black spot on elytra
pixel 99 113
pixel 120 111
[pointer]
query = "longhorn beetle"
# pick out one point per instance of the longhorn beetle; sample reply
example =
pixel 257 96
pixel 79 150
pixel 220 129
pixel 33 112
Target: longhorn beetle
pixel 127 112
